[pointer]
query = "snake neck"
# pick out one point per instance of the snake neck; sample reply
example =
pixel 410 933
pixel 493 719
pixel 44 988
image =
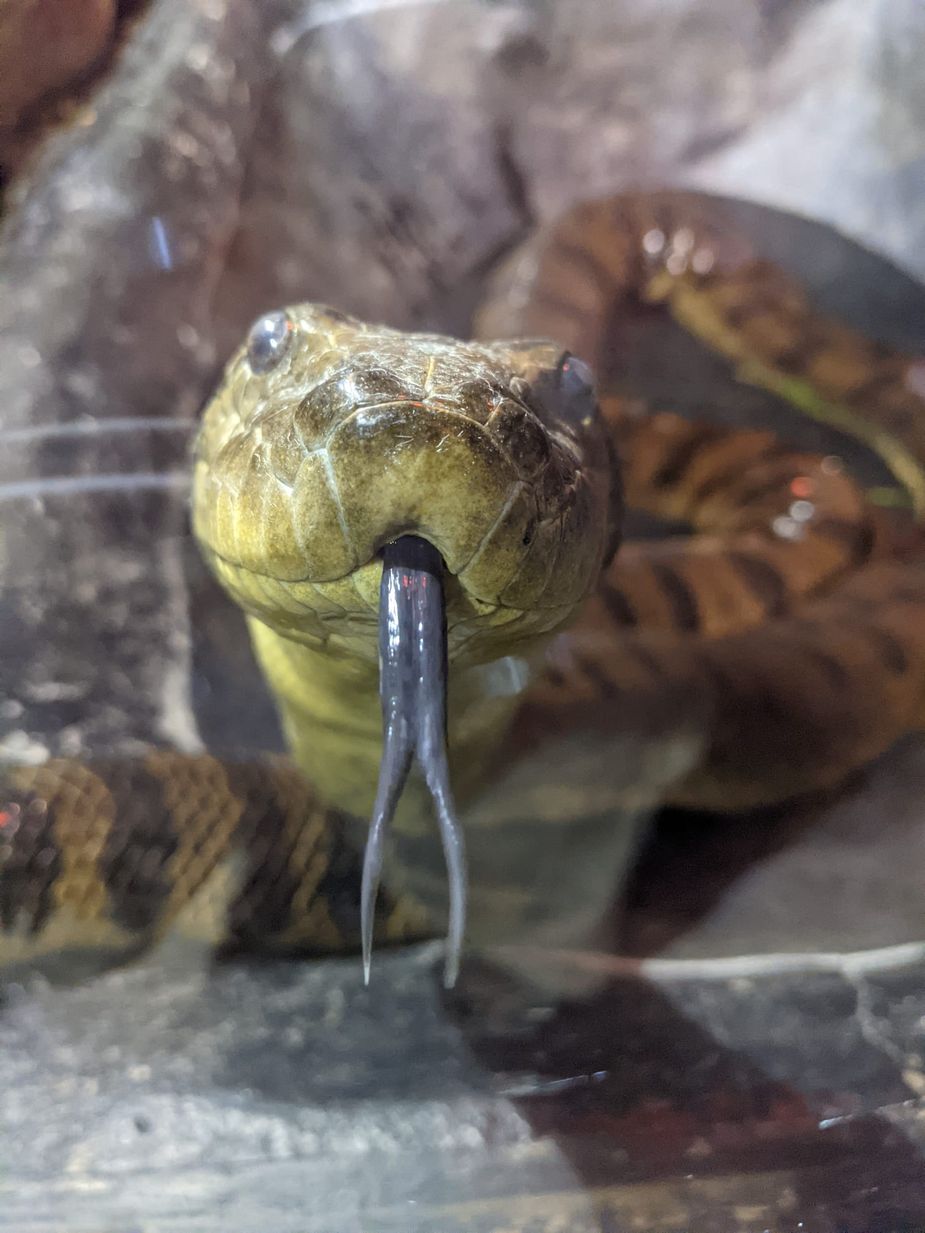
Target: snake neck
pixel 332 721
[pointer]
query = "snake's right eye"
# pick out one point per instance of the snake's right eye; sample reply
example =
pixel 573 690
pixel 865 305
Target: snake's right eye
pixel 269 339
pixel 576 378
pixel 574 392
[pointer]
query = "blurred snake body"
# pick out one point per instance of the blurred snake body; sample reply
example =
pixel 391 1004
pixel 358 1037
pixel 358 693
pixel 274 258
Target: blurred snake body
pixel 789 624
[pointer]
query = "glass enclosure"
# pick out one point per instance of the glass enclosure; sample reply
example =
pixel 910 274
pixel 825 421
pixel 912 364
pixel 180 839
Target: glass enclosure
pixel 667 1019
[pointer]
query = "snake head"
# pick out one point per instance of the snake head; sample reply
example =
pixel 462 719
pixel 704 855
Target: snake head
pixel 406 500
pixel 328 439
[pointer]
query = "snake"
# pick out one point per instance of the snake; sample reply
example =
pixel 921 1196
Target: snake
pixel 426 537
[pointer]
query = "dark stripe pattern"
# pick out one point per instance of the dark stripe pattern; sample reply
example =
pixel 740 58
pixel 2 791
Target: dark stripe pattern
pixel 831 667
pixel 889 649
pixel 597 676
pixel 261 908
pixel 29 860
pixel 617 605
pixel 339 886
pixel 678 459
pixel 857 537
pixel 139 845
pixel 711 484
pixel 681 596
pixel 763 581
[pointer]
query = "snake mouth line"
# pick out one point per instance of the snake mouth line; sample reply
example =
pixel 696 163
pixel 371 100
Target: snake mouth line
pixel 413 694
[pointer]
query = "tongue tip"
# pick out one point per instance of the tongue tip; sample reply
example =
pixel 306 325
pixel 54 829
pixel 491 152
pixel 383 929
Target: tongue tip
pixel 450 971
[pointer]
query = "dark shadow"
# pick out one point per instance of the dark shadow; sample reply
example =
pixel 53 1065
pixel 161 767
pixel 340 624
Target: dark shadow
pixel 689 861
pixel 232 704
pixel 632 1089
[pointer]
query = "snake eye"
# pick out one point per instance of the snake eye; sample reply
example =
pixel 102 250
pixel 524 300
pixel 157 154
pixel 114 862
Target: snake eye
pixel 576 387
pixel 576 378
pixel 269 339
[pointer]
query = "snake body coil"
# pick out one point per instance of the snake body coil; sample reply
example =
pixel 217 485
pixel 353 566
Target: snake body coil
pixel 788 629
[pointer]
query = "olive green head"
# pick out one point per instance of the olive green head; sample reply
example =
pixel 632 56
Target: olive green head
pixel 328 438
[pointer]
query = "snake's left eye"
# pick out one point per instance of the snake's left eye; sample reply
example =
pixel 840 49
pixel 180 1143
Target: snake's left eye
pixel 269 339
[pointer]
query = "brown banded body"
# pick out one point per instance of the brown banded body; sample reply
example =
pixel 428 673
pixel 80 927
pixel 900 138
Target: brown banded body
pixel 786 608
pixel 98 860
pixel 784 632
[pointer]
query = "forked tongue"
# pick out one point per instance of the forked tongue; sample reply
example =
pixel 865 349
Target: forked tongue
pixel 412 689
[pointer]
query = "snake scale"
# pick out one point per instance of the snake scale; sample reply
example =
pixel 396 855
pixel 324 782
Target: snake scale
pixel 790 623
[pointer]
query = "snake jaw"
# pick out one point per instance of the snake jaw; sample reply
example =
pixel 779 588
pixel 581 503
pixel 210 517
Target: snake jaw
pixel 413 694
